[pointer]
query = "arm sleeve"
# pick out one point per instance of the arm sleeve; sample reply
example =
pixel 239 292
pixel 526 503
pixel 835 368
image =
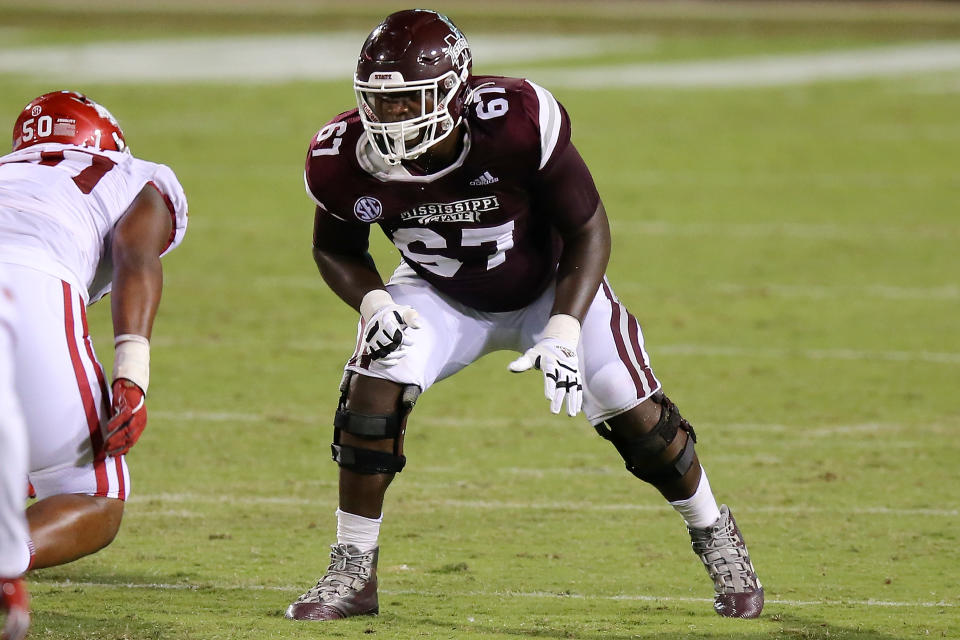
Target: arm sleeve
pixel 565 192
pixel 337 236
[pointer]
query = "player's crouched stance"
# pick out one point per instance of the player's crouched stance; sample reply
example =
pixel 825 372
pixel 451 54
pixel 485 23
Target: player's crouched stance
pixel 81 217
pixel 504 242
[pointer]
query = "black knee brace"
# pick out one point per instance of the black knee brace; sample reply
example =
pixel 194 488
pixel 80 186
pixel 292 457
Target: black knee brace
pixel 371 427
pixel 644 453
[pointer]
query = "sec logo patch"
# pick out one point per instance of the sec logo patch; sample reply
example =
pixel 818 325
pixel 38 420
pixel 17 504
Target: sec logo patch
pixel 367 209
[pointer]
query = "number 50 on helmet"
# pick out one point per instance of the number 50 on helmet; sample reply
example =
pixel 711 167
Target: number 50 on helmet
pixel 411 83
pixel 67 117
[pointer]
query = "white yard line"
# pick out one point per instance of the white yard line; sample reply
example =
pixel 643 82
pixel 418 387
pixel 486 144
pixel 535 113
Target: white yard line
pixel 792 230
pixel 262 59
pixel 771 70
pixel 696 350
pixel 931 357
pixel 294 589
pixel 270 59
pixel 840 292
pixel 817 292
pixel 496 505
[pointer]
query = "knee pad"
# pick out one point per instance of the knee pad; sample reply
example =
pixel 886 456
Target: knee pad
pixel 371 427
pixel 645 454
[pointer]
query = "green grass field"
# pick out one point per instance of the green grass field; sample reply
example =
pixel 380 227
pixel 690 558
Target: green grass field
pixel 787 249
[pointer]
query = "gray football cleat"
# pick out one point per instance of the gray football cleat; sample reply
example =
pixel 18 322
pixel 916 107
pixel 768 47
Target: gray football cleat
pixel 349 588
pixel 723 552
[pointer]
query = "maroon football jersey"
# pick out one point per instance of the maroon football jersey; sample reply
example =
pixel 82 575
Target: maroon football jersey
pixel 483 230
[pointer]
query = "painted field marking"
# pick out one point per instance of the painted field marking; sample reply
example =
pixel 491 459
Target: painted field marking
pixel 259 59
pixel 816 292
pixel 495 422
pixel 206 586
pixel 767 70
pixel 932 357
pixel 179 498
pixel 823 292
pixel 332 56
pixel 797 230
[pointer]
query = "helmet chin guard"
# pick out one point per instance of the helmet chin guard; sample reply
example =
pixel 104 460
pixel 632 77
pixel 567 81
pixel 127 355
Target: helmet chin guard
pixel 420 58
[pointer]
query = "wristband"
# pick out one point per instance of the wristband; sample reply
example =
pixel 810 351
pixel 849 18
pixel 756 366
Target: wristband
pixel 564 328
pixel 132 359
pixel 373 300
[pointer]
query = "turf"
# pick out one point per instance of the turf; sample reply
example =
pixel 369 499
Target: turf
pixel 791 253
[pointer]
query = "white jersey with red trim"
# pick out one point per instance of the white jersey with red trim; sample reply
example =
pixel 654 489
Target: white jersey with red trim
pixel 59 204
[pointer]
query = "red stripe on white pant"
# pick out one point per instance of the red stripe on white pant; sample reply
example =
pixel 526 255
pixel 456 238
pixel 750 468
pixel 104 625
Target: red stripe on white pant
pixel 83 385
pixel 104 394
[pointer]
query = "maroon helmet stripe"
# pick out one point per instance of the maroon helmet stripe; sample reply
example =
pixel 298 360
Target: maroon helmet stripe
pixel 83 385
pixel 615 313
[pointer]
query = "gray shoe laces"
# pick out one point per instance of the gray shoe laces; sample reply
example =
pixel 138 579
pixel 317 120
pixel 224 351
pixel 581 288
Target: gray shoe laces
pixel 723 553
pixel 346 573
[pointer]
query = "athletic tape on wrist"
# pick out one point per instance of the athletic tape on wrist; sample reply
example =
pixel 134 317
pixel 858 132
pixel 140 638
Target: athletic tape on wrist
pixel 131 359
pixel 564 328
pixel 373 300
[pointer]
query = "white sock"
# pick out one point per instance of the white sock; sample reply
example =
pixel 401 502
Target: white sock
pixel 356 530
pixel 700 510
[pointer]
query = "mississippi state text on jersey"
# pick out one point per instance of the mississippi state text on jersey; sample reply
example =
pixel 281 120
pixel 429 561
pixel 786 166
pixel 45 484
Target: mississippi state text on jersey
pixel 483 230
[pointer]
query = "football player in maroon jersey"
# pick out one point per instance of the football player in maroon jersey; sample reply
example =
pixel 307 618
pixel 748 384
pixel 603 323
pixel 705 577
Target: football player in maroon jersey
pixel 504 243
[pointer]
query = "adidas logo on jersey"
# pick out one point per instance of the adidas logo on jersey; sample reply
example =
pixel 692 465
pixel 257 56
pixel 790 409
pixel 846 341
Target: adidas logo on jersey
pixel 486 178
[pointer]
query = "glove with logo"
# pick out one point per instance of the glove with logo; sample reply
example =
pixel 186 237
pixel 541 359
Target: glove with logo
pixel 556 355
pixel 128 418
pixel 386 335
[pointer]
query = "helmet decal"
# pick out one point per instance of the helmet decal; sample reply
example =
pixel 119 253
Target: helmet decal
pixel 67 117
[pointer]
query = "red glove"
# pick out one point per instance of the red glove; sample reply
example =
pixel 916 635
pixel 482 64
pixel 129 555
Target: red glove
pixel 128 418
pixel 16 602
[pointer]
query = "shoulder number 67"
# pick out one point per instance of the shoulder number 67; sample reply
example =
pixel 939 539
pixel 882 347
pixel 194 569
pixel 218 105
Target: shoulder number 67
pixel 334 130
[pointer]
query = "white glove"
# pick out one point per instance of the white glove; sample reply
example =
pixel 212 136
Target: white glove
pixel 386 336
pixel 556 355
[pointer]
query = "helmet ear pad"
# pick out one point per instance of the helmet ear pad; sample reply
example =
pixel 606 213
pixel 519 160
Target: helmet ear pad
pixel 67 117
pixel 423 54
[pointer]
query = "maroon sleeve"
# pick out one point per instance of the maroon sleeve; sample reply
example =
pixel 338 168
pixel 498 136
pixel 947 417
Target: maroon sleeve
pixel 336 236
pixel 327 167
pixel 564 191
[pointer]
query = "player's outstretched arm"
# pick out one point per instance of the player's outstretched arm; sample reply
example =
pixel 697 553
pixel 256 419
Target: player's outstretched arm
pixel 340 251
pixel 139 237
pixel 582 265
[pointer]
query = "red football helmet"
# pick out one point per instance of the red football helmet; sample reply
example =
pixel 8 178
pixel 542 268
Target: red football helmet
pixel 411 82
pixel 67 117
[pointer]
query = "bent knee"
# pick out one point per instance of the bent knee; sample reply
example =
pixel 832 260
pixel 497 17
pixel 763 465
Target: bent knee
pixel 110 515
pixel 654 440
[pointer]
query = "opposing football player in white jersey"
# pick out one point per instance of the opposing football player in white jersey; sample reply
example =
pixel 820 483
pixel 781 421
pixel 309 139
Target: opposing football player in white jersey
pixel 504 244
pixel 79 216
pixel 13 473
